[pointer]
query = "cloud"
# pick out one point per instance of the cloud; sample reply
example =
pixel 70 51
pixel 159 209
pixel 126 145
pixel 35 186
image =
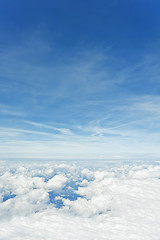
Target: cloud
pixel 84 103
pixel 10 111
pixel 68 200
pixel 60 130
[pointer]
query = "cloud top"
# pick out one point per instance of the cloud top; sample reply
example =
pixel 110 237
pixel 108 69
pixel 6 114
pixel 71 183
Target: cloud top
pixel 78 200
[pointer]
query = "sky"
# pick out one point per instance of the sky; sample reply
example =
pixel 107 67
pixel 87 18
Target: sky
pixel 79 78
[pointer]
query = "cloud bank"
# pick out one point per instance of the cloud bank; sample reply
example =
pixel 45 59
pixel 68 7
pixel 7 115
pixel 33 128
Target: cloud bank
pixel 61 201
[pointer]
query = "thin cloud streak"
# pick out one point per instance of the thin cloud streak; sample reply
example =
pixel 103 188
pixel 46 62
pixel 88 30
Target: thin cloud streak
pixel 64 131
pixel 96 100
pixel 132 132
pixel 11 111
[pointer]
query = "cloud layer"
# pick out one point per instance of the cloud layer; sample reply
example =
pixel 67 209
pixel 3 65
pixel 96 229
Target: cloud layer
pixel 69 202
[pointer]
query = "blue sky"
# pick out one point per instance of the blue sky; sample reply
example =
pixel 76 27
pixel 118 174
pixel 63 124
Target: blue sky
pixel 79 78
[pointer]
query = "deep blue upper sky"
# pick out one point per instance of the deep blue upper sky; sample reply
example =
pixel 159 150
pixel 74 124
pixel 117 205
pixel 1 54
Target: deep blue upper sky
pixel 79 77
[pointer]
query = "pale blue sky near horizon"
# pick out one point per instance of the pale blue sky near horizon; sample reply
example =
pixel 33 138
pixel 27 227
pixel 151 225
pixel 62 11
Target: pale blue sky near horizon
pixel 79 78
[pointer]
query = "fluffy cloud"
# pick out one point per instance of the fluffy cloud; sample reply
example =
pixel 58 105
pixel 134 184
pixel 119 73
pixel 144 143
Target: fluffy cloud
pixel 65 201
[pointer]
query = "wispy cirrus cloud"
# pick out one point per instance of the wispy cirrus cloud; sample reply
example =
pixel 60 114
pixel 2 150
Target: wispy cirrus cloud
pixel 64 131
pixel 88 101
pixel 11 111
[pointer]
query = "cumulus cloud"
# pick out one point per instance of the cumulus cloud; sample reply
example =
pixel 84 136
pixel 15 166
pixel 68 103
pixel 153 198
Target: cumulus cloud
pixel 66 201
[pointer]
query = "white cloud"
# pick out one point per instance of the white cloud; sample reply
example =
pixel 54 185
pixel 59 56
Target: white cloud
pixel 56 182
pixel 60 130
pixel 114 202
